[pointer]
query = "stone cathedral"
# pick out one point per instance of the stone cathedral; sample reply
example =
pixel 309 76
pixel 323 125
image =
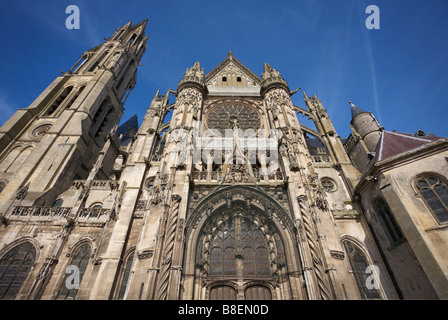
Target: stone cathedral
pixel 262 208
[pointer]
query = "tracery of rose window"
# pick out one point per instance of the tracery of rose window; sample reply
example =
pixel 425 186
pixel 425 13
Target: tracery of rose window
pixel 221 117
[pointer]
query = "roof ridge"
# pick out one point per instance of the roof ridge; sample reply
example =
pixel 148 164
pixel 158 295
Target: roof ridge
pixel 425 139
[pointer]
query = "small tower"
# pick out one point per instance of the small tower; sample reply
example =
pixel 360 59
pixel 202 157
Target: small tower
pixel 362 142
pixel 366 126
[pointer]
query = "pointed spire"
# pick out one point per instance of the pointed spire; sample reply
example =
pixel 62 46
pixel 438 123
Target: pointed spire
pixel 355 110
pixel 304 95
pixel 271 77
pixel 192 75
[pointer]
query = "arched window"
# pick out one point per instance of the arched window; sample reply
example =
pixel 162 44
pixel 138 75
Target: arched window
pixel 125 273
pixel 359 263
pixel 119 34
pixel 15 266
pixel 132 39
pixel 387 220
pixel 98 61
pixel 74 273
pixel 59 100
pixel 100 118
pixel 238 247
pixel 73 99
pixel 434 192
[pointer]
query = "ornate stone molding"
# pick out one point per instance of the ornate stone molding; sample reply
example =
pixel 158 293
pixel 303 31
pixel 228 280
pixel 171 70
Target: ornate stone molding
pixel 340 255
pixel 145 254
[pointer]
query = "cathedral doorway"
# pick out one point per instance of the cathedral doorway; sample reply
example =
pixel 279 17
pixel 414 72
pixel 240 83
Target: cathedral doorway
pixel 243 250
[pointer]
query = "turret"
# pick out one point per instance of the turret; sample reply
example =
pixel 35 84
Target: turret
pixel 366 126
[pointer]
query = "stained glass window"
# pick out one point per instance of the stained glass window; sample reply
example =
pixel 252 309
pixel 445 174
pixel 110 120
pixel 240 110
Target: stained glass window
pixel 80 260
pixel 14 268
pixel 434 192
pixel 391 227
pixel 239 239
pixel 221 117
pixel 358 262
pixel 125 276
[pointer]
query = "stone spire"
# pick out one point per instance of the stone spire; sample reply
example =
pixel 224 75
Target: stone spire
pixel 193 76
pixel 272 78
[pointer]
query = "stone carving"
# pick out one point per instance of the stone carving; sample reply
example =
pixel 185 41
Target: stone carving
pixel 237 173
pixel 145 254
pixel 168 246
pixel 311 238
pixel 340 255
pixel 157 194
pixel 41 131
pixel 270 72
pixel 189 97
pixel 21 194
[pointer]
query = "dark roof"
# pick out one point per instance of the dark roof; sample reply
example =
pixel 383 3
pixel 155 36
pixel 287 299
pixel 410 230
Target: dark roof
pixel 355 110
pixel 394 143
pixel 128 129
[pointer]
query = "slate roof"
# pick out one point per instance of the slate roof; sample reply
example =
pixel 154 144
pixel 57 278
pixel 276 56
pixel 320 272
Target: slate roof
pixel 394 143
pixel 128 129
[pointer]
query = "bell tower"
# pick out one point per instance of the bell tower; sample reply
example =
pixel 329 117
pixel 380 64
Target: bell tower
pixel 59 137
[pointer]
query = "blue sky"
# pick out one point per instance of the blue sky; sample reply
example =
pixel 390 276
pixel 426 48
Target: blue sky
pixel 399 72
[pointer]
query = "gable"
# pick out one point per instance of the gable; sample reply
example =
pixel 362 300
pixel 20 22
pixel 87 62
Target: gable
pixel 232 77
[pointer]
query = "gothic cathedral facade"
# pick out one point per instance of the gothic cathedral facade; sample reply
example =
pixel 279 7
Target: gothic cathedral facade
pixel 221 194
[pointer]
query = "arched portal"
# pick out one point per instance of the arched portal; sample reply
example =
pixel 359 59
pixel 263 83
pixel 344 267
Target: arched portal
pixel 242 237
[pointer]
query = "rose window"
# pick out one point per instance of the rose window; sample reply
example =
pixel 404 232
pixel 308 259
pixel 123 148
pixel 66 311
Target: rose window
pixel 223 117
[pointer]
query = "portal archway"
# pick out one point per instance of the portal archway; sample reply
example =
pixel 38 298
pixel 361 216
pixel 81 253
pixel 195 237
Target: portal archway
pixel 241 235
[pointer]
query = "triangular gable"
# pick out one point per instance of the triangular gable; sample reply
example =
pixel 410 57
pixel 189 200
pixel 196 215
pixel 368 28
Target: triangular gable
pixel 232 77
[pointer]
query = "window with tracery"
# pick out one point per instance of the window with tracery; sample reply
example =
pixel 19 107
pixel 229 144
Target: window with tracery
pixel 328 185
pixel 222 117
pixel 359 263
pixel 126 272
pixel 390 226
pixel 238 247
pixel 15 266
pixel 80 261
pixel 434 192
